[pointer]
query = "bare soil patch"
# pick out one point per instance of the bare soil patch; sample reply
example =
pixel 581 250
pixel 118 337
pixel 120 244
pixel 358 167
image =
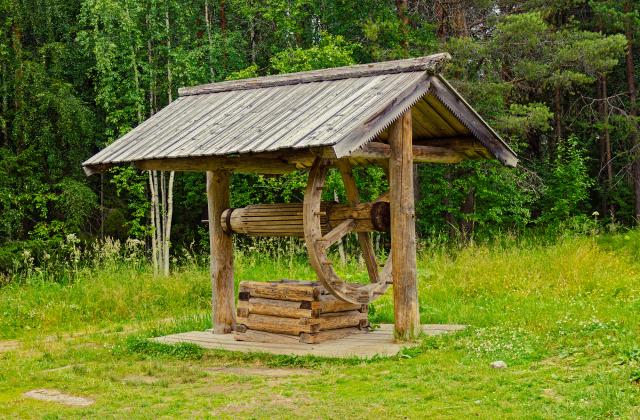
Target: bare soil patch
pixel 262 371
pixel 58 369
pixel 9 345
pixel 140 379
pixel 53 395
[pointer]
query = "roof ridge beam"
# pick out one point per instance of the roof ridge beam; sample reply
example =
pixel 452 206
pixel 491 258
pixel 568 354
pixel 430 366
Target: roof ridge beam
pixel 431 64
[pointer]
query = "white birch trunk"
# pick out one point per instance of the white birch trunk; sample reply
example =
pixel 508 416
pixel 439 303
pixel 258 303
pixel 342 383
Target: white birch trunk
pixel 161 187
pixel 154 238
pixel 169 79
pixel 158 222
pixel 167 223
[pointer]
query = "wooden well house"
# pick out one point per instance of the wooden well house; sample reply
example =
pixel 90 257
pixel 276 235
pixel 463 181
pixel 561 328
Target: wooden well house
pixel 392 114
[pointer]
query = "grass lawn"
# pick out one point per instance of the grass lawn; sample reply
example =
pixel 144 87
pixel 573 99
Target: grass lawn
pixel 565 317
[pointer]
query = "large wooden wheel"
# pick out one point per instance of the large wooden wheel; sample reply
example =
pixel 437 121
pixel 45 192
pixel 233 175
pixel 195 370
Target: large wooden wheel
pixel 318 244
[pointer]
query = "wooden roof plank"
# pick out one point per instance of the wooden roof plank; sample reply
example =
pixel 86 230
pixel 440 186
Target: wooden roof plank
pixel 336 110
pixel 383 117
pixel 436 115
pixel 474 122
pixel 431 64
pixel 349 117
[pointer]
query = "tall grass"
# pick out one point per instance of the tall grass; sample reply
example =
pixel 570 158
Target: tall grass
pixel 563 315
pixel 516 284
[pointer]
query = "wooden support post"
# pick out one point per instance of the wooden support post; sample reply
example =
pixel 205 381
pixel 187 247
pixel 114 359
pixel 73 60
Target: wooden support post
pixel 403 230
pixel 224 311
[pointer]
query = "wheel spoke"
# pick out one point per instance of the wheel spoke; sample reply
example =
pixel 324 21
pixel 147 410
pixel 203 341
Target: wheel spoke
pixel 386 276
pixel 364 240
pixel 317 244
pixel 383 197
pixel 337 233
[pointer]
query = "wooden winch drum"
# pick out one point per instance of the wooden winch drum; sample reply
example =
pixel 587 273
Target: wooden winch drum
pixel 287 219
pixel 323 224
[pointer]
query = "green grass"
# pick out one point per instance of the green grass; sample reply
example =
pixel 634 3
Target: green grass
pixel 564 316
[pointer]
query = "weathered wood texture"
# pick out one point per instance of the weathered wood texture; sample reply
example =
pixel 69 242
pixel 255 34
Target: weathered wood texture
pixel 470 119
pixel 383 115
pixel 280 325
pixel 403 233
pixel 265 337
pixel 316 242
pixel 276 162
pixel 351 190
pixel 273 124
pixel 441 150
pixel 221 250
pixel 328 303
pixel 421 154
pixel 286 219
pixel 370 344
pixel 467 147
pixel 431 64
pixel 275 307
pixel 303 311
pixel 295 291
pixel 329 335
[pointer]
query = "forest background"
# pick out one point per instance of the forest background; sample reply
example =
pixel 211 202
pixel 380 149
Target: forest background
pixel 557 79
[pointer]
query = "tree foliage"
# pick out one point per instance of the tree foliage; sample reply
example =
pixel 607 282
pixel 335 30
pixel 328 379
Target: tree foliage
pixel 552 77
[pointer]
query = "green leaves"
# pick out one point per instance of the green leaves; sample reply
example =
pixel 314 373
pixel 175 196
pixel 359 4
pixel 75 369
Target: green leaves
pixel 332 51
pixel 76 201
pixel 567 186
pixel 526 119
pixel 77 74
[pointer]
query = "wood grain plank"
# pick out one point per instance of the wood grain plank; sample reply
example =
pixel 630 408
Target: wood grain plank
pixel 403 239
pixel 221 249
pixel 431 64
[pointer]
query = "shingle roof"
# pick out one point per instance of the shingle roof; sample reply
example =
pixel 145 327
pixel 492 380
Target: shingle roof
pixel 342 108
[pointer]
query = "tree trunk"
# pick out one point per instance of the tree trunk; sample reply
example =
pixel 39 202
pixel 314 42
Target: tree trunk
pixel 451 19
pixel 223 32
pixel 401 9
pixel 152 75
pixel 252 37
pixel 208 23
pixel 4 105
pixel 557 108
pixel 136 78
pixel 164 203
pixel 606 166
pixel 167 223
pixel 155 221
pixel 633 110
pixel 169 78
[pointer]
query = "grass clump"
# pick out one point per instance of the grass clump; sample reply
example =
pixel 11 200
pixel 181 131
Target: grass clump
pixel 144 347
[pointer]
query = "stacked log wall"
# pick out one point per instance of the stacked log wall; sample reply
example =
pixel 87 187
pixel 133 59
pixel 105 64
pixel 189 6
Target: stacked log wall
pixel 292 311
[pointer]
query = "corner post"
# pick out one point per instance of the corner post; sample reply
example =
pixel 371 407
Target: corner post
pixel 403 230
pixel 221 248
